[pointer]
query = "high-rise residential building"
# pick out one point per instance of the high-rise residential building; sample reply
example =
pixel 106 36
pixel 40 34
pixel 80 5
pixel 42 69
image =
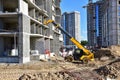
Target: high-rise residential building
pixel 22 32
pixel 94 23
pixel 106 22
pixel 71 24
pixel 110 23
pixel 91 26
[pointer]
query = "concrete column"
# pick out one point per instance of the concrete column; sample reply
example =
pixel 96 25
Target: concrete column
pixel 51 46
pixel 23 7
pixel 24 39
pixel 19 5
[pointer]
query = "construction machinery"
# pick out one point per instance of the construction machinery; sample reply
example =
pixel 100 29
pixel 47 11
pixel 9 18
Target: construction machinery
pixel 81 53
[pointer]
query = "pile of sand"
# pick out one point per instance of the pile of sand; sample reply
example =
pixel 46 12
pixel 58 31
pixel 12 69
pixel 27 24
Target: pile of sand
pixel 115 50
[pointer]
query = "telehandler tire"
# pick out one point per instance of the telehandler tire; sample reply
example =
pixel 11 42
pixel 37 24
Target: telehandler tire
pixel 68 58
pixel 85 60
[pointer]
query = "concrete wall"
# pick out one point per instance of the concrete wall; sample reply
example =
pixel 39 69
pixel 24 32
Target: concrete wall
pixel 9 59
pixel 1 39
pixel 40 45
pixel 47 44
pixel 1 46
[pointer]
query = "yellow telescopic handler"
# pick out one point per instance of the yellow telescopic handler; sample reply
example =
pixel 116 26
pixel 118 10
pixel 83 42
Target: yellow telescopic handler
pixel 81 53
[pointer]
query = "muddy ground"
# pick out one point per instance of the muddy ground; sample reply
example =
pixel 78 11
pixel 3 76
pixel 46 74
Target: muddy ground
pixel 107 67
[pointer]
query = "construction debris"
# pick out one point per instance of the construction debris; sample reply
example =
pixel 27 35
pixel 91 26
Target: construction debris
pixel 63 75
pixel 47 76
pixel 110 70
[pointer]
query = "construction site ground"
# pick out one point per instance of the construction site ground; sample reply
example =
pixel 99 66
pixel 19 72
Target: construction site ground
pixel 105 67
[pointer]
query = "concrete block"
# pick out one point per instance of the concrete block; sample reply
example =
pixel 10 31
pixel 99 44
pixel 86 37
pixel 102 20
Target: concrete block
pixel 34 52
pixel 42 57
pixel 35 57
pixel 26 59
pixel 14 52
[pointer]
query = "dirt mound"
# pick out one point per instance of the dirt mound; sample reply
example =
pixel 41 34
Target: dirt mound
pixel 111 70
pixel 104 52
pixel 110 52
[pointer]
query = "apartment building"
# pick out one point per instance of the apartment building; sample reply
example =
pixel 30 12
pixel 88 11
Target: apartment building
pixel 71 24
pixel 110 23
pixel 22 32
pixel 94 23
pixel 91 24
pixel 107 20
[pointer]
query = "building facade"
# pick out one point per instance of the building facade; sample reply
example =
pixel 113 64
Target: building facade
pixel 71 24
pixel 22 32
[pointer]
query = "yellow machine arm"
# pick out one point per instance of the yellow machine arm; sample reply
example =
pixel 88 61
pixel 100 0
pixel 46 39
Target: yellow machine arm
pixel 89 55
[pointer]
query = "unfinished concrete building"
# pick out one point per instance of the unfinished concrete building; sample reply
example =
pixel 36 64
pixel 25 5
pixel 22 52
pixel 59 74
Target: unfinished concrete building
pixel 111 23
pixel 22 32
pixel 91 24
pixel 106 22
pixel 94 23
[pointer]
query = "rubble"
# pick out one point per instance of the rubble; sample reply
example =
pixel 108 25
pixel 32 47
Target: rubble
pixel 47 76
pixel 62 75
pixel 110 70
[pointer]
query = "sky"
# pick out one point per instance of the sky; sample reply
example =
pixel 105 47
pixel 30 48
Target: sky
pixel 77 5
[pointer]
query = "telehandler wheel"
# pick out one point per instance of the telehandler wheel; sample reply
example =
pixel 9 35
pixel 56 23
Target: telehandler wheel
pixel 69 58
pixel 85 60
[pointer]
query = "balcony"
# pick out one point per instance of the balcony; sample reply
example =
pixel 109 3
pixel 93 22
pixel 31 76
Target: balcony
pixel 36 7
